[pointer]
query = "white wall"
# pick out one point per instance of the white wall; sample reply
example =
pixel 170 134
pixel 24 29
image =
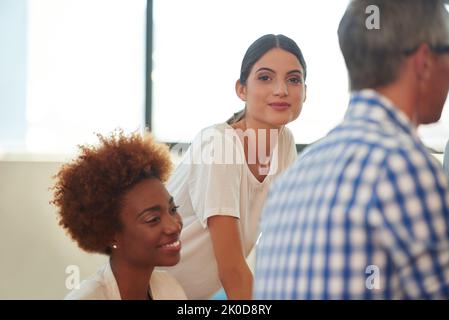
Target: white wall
pixel 34 250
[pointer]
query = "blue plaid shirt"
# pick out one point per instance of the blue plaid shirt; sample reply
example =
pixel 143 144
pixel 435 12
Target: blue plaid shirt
pixel 362 214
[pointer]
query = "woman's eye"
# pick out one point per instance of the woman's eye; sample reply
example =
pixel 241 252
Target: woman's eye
pixel 295 80
pixel 152 220
pixel 264 78
pixel 174 210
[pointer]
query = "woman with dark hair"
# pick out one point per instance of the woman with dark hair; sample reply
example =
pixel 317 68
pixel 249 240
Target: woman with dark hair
pixel 112 200
pixel 223 179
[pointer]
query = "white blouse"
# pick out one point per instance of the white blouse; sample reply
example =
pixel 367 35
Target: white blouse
pixel 213 178
pixel 103 286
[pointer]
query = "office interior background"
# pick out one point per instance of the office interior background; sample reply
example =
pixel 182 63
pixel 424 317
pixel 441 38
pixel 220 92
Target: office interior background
pixel 73 68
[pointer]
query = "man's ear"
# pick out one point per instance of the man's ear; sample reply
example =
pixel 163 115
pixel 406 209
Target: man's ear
pixel 422 61
pixel 240 90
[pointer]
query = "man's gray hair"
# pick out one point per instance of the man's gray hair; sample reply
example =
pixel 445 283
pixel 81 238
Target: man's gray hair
pixel 374 56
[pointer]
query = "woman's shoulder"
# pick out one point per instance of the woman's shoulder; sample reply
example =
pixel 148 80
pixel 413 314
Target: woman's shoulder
pixel 286 139
pixel 287 134
pixel 93 288
pixel 99 286
pixel 165 287
pixel 89 289
pixel 215 129
pixel 215 139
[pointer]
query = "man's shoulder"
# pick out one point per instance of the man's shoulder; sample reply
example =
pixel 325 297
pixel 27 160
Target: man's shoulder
pixel 379 135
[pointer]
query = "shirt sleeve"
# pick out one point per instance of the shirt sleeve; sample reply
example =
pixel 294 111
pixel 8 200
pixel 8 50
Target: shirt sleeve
pixel 446 159
pixel 414 222
pixel 214 184
pixel 290 146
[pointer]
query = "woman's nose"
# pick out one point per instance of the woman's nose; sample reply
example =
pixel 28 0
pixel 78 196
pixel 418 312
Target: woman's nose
pixel 281 89
pixel 172 224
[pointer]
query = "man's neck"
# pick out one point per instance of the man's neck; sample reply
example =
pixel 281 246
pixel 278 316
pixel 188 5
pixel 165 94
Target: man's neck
pixel 402 98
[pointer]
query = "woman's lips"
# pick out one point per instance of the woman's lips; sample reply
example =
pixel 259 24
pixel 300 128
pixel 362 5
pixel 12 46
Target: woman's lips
pixel 279 105
pixel 173 246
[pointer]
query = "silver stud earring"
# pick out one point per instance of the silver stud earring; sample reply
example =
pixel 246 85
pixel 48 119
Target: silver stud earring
pixel 114 246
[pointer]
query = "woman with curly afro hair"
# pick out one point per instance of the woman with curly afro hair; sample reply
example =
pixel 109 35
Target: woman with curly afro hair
pixel 111 199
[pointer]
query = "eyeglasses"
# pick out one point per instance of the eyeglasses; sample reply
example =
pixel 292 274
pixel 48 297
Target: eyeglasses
pixel 440 49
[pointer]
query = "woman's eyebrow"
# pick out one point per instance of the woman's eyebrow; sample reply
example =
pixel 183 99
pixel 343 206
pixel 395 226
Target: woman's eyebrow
pixel 155 208
pixel 294 71
pixel 150 209
pixel 271 70
pixel 265 69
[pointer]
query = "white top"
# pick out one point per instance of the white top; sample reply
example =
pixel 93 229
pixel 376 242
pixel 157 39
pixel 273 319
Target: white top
pixel 103 286
pixel 213 178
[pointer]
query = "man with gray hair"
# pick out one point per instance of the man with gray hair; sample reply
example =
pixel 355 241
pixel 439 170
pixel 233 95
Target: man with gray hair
pixel 364 212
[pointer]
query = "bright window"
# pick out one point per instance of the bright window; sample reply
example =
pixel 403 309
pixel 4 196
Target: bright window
pixel 84 71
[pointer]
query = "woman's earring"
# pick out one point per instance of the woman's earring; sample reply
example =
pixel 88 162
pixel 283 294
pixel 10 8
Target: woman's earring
pixel 114 246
